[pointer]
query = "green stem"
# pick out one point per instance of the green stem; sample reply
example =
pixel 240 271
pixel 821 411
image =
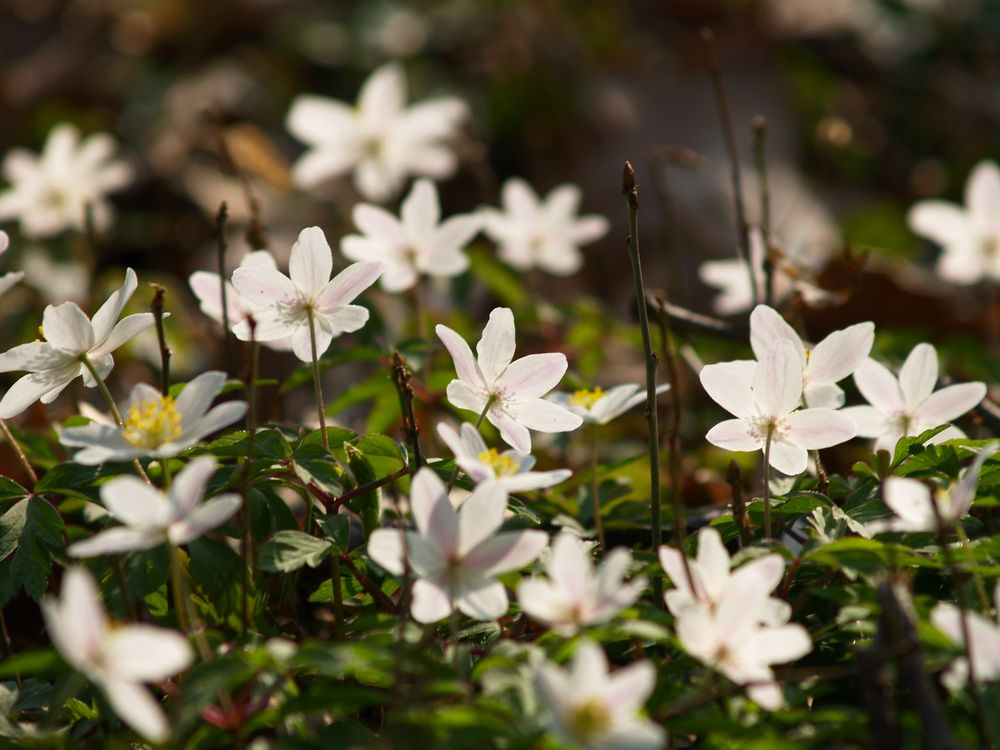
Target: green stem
pixel 977 578
pixel 479 421
pixel 20 453
pixel 317 384
pixel 177 589
pixel 338 595
pixel 766 471
pixel 595 491
pixel 246 535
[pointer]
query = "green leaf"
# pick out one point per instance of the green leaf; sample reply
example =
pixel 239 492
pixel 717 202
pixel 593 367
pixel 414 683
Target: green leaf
pixel 42 536
pixel 11 527
pixel 337 529
pixel 290 550
pixel 11 490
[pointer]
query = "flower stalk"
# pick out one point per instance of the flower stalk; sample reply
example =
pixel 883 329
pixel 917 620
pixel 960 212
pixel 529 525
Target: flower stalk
pixel 317 380
pixel 246 534
pixel 156 307
pixel 766 472
pixel 595 490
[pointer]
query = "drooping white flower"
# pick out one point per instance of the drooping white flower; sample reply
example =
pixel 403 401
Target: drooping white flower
pixel 456 554
pixel 984 642
pixel 531 233
pixel 208 290
pixel 823 365
pixel 510 468
pixel 909 405
pixel 598 406
pixel 380 139
pixel 969 236
pixel 70 337
pixel 285 304
pixel 418 242
pixel 151 518
pixel 156 426
pixel 116 659
pixel 913 502
pixel 51 192
pixel 574 596
pixel 11 278
pixel 765 398
pixel 516 388
pixel 598 710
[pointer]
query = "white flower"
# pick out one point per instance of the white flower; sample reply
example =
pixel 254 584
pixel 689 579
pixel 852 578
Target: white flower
pixel 515 388
pixel 8 280
pixel 207 289
pixel 595 709
pixel 416 243
pixel 545 234
pixel 913 503
pixel 910 405
pixel 51 193
pixel 765 397
pixel 70 337
pixel 598 406
pixel 574 596
pixel 456 554
pixel 984 642
pixel 510 468
pixel 969 236
pixel 285 304
pixel 156 426
pixel 116 659
pixel 151 518
pixel 380 140
pixel 823 365
pixel 55 282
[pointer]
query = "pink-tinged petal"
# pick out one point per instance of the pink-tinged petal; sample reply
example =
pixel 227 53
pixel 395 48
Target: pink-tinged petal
pixel 67 328
pixel 433 513
pixel 508 550
pixel 879 387
pixel 348 284
pixel 918 375
pixel 324 163
pixel 383 95
pixel 950 403
pixel 481 515
pixel 730 385
pixel 911 501
pixel 188 487
pixel 106 317
pixel 263 286
pixel 271 324
pixel 777 384
pixel 311 261
pixel 207 516
pixel 124 331
pixel 346 319
pixel 116 541
pixel 819 428
pixel 569 566
pixel 870 422
pixel 512 432
pixel 982 195
pixel 461 354
pixel 430 602
pixel 788 458
pixel 840 353
pixel 532 376
pixel 385 548
pixel 146 653
pixel 496 347
pixel 32 387
pixel 317 119
pixel 713 563
pixel 486 602
pixel 629 687
pixel 463 396
pixel 421 211
pixel 135 503
pixel 940 221
pixel 767 327
pixel 543 416
pixel 4 242
pixel 535 480
pixel 734 435
pixel 135 706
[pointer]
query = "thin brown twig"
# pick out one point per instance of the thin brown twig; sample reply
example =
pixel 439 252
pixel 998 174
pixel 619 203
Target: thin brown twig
pixel 156 306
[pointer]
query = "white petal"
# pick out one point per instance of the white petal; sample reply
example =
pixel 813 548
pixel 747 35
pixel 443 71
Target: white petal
pixel 713 563
pixel 781 644
pixel 76 622
pixel 508 550
pixel 542 601
pixel 569 566
pixel 734 435
pixel 204 518
pixel 823 395
pixel 67 328
pixel 762 574
pixel 481 515
pixel 433 513
pixel 318 119
pixel 940 221
pixel 311 261
pixel 871 422
pixel 263 286
pixel 918 375
pixel 532 376
pixel 106 317
pixel 421 210
pixel 461 354
pixel 383 95
pixel 840 353
pixel 777 381
pixel 377 222
pixel 33 386
pixel 950 403
pixel 124 331
pixel 673 566
pixel 486 602
pixel 788 458
pixel 217 418
pixel 136 707
pixel 385 548
pixel 348 284
pixel 430 602
pixel 629 687
pixel 730 385
pixel 464 396
pixel 188 487
pixel 543 416
pixel 982 195
pixel 819 428
pixel 512 432
pixel 135 503
pixel 496 347
pixel 197 395
pixel 326 162
pixel 116 541
pixel 767 327
pixel 911 501
pixel 146 653
pixel 879 387
pixel 535 480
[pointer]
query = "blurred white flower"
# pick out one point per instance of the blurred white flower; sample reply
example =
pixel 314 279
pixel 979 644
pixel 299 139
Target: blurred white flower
pixel 418 242
pixel 55 282
pixel 598 406
pixel 764 397
pixel 116 659
pixel 545 234
pixel 511 469
pixel 380 139
pixel 595 709
pixel 574 596
pixel 969 236
pixel 207 289
pixel 514 390
pixel 71 338
pixel 11 278
pixel 156 426
pixel 51 192
pixel 984 642
pixel 307 302
pixel 824 364
pixel 910 405
pixel 456 554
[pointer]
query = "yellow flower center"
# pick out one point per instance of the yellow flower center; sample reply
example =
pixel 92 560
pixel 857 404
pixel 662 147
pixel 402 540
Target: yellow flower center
pixel 503 466
pixel 589 720
pixel 586 399
pixel 150 424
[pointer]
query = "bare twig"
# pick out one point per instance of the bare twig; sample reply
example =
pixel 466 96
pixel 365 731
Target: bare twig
pixel 161 337
pixel 220 253
pixel 759 135
pixel 401 379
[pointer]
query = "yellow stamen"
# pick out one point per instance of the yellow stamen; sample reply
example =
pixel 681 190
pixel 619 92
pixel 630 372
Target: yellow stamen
pixel 586 399
pixel 150 424
pixel 589 720
pixel 41 334
pixel 502 465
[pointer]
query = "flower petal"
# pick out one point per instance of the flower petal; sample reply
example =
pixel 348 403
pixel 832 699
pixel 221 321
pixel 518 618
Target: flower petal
pixel 481 515
pixel 263 286
pixel 311 261
pixel 777 384
pixel 67 328
pixel 188 487
pixel 730 385
pixel 788 458
pixel 982 195
pixel 33 386
pixel 940 221
pixel 124 331
pixel 840 353
pixel 106 317
pixel 461 354
pixel 879 387
pixel 348 284
pixel 197 395
pixel 734 435
pixel 532 376
pixel 135 503
pixel 135 706
pixel 767 327
pixel 911 501
pixel 116 541
pixel 430 602
pixel 487 602
pixel 385 548
pixel 508 550
pixel 433 513
pixel 871 422
pixel 543 416
pixel 318 119
pixel 146 653
pixel 819 428
pixel 569 566
pixel 496 346
pixel 204 518
pixel 512 432
pixel 950 403
pixel 918 375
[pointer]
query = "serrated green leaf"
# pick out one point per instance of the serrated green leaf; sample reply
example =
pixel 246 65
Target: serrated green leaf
pixel 290 550
pixel 41 537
